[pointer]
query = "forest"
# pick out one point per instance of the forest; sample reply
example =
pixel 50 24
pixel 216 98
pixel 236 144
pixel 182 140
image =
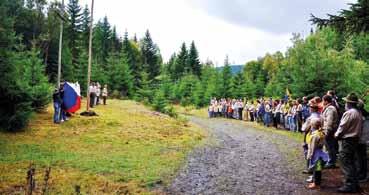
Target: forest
pixel 335 56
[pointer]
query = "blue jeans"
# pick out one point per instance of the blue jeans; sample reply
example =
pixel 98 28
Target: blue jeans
pixel 57 112
pixel 267 118
pixel 291 123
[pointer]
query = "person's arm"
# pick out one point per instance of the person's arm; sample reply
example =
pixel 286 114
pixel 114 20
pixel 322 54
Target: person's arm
pixel 343 126
pixel 328 125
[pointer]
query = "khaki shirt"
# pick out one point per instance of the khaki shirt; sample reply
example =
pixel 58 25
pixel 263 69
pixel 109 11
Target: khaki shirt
pixel 330 119
pixel 351 124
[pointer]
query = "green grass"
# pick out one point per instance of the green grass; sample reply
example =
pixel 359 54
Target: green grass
pixel 191 110
pixel 126 148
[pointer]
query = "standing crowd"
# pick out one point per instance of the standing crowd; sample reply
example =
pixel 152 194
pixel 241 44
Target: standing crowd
pixel 330 132
pixel 96 93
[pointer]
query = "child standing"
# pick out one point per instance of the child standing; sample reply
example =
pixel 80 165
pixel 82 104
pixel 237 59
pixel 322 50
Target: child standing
pixel 315 155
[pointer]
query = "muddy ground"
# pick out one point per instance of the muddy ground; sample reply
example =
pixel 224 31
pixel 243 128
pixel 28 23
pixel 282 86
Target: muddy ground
pixel 239 159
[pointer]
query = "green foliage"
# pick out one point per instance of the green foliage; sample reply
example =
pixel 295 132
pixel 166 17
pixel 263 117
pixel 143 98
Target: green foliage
pixel 193 61
pixel 33 72
pixel 159 101
pixel 353 20
pixel 225 88
pixel 120 78
pixel 151 57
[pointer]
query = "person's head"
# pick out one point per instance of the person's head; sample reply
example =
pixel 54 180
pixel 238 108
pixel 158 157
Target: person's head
pixel 305 99
pixel 317 99
pixel 299 101
pixel 331 93
pixel 327 99
pixel 106 86
pixel 314 106
pixel 316 123
pixel 351 101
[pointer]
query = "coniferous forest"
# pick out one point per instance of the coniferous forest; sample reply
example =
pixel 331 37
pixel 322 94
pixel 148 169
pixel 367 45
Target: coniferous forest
pixel 334 56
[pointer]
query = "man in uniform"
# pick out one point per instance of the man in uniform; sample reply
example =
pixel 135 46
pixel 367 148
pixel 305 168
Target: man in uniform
pixel 348 133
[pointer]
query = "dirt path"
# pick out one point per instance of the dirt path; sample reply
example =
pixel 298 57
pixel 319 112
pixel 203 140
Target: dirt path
pixel 241 160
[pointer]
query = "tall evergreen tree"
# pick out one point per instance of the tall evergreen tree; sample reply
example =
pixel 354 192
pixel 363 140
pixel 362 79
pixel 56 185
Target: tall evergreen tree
pixel 85 27
pixel 180 67
pixel 130 51
pixel 74 28
pixel 193 60
pixel 226 90
pixel 150 56
pixel 120 78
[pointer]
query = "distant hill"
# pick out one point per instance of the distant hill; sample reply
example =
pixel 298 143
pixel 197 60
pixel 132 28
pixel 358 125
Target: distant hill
pixel 235 68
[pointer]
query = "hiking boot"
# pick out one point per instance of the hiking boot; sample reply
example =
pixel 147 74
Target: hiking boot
pixel 346 189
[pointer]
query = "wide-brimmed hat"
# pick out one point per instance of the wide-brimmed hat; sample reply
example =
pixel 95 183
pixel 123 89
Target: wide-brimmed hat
pixel 351 98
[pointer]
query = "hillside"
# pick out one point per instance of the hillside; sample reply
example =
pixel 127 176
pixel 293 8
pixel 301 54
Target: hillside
pixel 126 149
pixel 235 68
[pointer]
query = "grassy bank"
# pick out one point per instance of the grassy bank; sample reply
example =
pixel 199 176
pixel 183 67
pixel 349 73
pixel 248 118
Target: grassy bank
pixel 127 148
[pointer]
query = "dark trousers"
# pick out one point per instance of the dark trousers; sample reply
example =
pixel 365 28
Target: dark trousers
pixel 332 146
pixel 362 161
pixel 347 157
pixel 92 99
pixel 251 116
pixel 104 100
pixel 299 121
pixel 240 113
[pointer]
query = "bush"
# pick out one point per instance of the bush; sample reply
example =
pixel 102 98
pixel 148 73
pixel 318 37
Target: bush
pixel 159 102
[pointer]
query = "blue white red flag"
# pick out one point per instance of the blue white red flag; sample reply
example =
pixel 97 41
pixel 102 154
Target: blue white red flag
pixel 72 97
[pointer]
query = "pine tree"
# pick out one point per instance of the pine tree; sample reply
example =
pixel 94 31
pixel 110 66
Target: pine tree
pixel 193 60
pixel 180 67
pixel 115 41
pixel 144 93
pixel 120 77
pixel 131 52
pixel 150 56
pixel 74 28
pixel 170 66
pixel 237 85
pixel 85 34
pixel 33 73
pixel 15 103
pixel 226 89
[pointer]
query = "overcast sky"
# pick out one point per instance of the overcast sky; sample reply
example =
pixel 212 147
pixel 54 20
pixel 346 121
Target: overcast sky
pixel 241 29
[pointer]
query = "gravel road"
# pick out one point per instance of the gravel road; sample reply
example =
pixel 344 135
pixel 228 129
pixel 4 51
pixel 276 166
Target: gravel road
pixel 238 160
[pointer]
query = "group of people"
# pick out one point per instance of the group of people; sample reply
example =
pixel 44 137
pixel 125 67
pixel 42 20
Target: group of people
pixel 96 93
pixel 65 104
pixel 330 132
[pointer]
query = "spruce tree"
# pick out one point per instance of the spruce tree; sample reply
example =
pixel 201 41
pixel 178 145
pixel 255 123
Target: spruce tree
pixel 85 27
pixel 226 89
pixel 193 60
pixel 181 65
pixel 131 52
pixel 120 77
pixel 74 29
pixel 150 56
pixel 33 71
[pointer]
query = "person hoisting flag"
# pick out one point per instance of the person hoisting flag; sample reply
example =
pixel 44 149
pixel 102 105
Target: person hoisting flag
pixel 72 97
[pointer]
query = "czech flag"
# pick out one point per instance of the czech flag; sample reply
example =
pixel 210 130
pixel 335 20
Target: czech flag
pixel 72 97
